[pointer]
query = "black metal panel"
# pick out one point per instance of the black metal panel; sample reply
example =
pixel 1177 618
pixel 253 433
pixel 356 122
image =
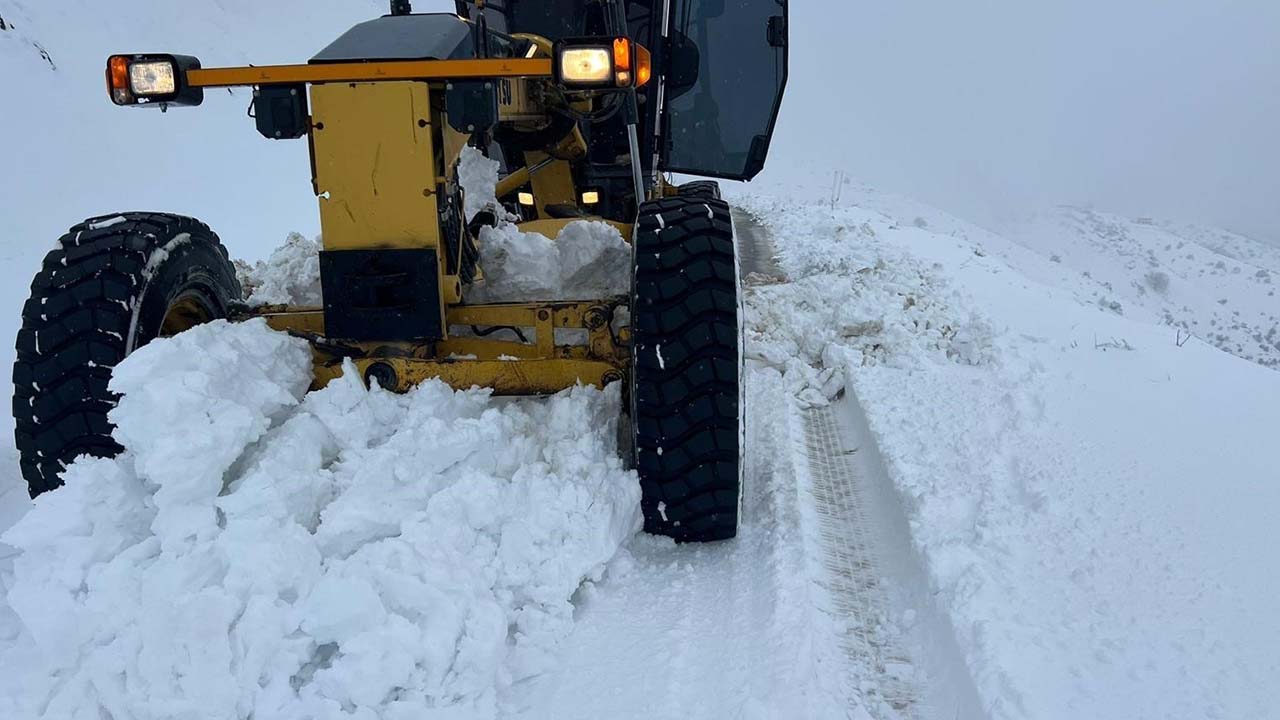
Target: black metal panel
pixel 381 295
pixel 431 36
pixel 472 105
pixel 281 111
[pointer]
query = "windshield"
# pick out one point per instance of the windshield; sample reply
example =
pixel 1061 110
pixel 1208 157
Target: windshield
pixel 552 19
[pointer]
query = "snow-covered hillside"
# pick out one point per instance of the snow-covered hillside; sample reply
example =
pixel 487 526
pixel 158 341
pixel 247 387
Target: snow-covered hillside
pixel 1214 284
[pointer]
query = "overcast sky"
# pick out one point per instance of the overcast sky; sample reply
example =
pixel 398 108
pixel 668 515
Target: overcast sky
pixel 1147 107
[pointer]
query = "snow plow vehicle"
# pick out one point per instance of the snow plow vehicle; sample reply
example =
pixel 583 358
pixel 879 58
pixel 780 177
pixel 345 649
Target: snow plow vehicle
pixel 588 107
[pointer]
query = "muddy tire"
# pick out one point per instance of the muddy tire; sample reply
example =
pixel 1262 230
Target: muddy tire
pixel 112 285
pixel 686 369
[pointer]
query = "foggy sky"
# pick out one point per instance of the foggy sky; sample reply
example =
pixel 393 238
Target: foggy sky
pixel 1146 107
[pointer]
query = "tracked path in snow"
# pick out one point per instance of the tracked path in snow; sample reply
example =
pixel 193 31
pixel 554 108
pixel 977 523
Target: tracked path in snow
pixel 844 529
pixel 790 620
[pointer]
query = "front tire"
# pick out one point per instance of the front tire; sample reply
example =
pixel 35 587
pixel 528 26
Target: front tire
pixel 686 369
pixel 112 285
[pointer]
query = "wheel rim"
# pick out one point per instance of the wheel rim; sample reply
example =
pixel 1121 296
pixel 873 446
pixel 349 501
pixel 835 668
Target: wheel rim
pixel 186 311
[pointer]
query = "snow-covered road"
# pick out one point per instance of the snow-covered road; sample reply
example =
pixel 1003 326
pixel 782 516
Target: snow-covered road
pixel 789 620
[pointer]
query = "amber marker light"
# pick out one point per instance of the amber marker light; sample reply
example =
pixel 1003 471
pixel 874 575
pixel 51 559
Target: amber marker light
pixel 118 80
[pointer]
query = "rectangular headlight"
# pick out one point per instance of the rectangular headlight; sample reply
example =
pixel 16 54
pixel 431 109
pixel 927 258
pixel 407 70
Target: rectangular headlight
pixel 153 78
pixel 586 66
pixel 601 63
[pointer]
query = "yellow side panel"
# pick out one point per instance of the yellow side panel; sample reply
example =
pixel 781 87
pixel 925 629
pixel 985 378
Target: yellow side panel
pixel 375 165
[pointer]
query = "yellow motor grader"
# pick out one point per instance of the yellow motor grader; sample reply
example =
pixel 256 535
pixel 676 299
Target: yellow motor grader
pixel 588 106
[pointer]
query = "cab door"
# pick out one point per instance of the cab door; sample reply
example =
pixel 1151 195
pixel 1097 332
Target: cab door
pixel 725 73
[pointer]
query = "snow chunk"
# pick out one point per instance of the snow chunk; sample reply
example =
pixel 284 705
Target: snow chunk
pixel 478 176
pixel 589 259
pixel 291 276
pixel 255 553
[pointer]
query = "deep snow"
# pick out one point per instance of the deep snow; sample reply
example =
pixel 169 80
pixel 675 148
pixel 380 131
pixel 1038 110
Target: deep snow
pixel 352 553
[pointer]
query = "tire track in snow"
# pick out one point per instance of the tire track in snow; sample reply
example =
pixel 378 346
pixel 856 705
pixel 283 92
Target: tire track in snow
pixel 841 527
pixel 853 569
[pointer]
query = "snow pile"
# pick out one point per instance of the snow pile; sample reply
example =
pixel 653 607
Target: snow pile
pixel 852 294
pixel 350 553
pixel 291 276
pixel 588 260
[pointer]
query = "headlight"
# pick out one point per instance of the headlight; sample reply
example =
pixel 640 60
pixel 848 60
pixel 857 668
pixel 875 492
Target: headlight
pixel 586 66
pixel 152 79
pixel 601 63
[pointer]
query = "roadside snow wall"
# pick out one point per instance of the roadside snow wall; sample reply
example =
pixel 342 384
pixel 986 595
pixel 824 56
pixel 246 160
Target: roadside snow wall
pixel 349 553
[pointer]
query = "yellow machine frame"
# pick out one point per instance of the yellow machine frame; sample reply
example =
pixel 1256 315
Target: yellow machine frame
pixel 377 136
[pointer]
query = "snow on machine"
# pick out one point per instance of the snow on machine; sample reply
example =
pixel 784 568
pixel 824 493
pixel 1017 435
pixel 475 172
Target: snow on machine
pixel 586 106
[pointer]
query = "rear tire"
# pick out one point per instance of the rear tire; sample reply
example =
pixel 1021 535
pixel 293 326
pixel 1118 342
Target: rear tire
pixel 110 287
pixel 686 368
pixel 702 189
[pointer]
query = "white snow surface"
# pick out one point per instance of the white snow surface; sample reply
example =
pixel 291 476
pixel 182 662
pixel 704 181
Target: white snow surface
pixel 350 553
pixel 1215 284
pixel 290 276
pixel 1086 499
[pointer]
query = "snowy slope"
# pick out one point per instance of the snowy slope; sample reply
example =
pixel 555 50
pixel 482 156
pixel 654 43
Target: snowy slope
pixel 1215 284
pixel 1093 517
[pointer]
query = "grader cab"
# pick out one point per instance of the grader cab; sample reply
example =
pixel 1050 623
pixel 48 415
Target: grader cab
pixel 587 106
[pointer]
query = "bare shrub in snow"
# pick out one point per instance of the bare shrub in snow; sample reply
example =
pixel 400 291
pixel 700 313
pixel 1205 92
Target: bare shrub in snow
pixel 1157 281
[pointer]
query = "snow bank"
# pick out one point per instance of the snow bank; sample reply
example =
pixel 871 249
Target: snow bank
pixel 1090 503
pixel 350 553
pixel 853 295
pixel 290 276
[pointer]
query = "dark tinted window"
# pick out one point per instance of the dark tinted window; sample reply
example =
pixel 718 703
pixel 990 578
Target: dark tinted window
pixel 721 125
